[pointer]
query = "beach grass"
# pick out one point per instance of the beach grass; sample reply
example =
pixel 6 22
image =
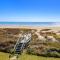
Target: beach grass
pixel 24 56
pixel 4 56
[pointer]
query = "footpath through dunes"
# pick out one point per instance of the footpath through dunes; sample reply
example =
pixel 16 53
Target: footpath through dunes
pixel 40 37
pixel 24 56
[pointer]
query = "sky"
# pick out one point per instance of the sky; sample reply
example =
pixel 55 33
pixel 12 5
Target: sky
pixel 29 10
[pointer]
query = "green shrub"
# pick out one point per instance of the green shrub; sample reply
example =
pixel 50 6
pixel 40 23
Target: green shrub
pixel 30 51
pixel 53 52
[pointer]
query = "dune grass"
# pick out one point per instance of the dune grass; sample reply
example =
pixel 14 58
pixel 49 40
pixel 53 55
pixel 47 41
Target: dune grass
pixel 5 56
pixel 33 57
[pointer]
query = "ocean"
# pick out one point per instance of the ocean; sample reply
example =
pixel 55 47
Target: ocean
pixel 31 23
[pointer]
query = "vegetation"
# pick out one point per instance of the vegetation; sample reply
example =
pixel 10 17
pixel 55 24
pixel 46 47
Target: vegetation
pixel 5 56
pixel 53 52
pixel 37 47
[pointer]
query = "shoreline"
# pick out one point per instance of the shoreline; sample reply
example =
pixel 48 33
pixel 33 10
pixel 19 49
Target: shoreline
pixel 31 27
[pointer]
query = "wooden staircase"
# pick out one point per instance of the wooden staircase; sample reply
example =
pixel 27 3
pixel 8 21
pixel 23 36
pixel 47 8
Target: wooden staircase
pixel 21 44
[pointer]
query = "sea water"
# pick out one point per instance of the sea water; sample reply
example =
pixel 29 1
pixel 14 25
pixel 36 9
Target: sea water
pixel 31 23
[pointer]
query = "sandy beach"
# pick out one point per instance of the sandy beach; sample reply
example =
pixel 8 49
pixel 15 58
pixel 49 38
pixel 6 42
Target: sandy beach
pixel 31 27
